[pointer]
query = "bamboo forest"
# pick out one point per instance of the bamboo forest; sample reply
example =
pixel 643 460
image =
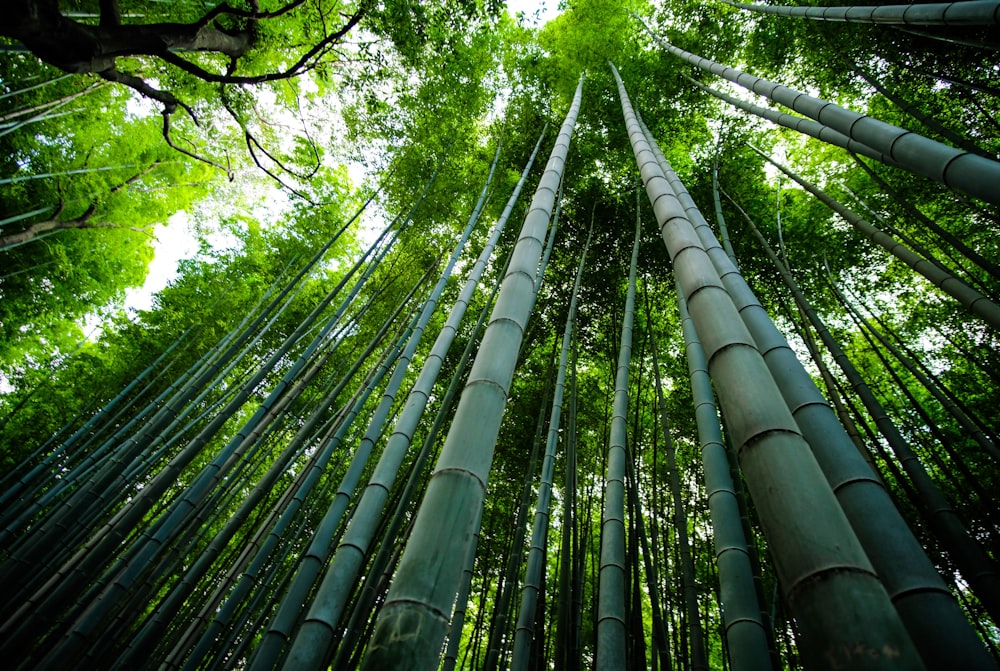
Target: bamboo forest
pixel 466 334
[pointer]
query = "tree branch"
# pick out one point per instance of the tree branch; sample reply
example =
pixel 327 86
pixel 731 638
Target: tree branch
pixel 175 147
pixel 304 63
pixel 51 224
pixel 135 178
pixel 170 102
pixel 251 142
pixel 110 13
pixel 255 14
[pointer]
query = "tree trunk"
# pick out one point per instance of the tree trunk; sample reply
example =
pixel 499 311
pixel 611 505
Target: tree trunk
pixel 77 47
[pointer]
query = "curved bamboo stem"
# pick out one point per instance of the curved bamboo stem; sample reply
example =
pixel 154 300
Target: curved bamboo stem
pixel 972 300
pixel 967 13
pixel 967 172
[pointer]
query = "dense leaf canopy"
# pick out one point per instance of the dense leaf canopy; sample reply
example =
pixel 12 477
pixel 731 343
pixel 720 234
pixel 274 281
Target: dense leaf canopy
pixel 179 481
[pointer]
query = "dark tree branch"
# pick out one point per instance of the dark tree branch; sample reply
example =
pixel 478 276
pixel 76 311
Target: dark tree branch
pixel 307 62
pixel 305 131
pixel 135 178
pixel 251 143
pixel 175 147
pixel 53 223
pixel 110 13
pixel 255 14
pixel 169 101
pixel 77 47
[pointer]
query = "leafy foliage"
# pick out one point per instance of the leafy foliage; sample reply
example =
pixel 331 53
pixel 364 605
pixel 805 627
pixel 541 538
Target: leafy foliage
pixel 419 95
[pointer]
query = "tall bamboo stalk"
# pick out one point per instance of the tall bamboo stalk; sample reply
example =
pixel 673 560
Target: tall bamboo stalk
pixel 956 243
pixel 977 568
pixel 503 601
pixel 611 621
pixel 531 585
pixel 568 613
pixel 968 13
pixel 316 632
pixel 972 300
pixel 926 606
pixel 804 126
pixel 414 621
pixel 967 172
pixel 844 613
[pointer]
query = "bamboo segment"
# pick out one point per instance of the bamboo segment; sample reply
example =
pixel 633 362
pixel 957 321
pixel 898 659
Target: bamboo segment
pixel 975 175
pixel 611 628
pixel 720 219
pixel 972 300
pixel 524 632
pixel 746 636
pixel 843 611
pixel 338 582
pixel 976 566
pixel 804 126
pixel 413 623
pixel 913 583
pixel 968 13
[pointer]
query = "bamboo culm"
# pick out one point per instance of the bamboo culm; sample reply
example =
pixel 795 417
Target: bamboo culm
pixel 977 568
pixel 968 13
pixel 911 579
pixel 413 623
pixel 342 572
pixel 840 610
pixel 611 620
pixel 971 300
pixel 531 584
pixel 967 172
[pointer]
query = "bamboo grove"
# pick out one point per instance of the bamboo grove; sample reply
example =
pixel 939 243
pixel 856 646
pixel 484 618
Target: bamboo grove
pixel 623 355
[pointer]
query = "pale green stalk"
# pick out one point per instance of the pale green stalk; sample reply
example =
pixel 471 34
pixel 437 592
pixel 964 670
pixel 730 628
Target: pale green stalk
pixel 975 175
pixel 611 634
pixel 338 582
pixel 804 126
pixel 967 13
pixel 531 586
pixel 971 300
pixel 844 615
pixel 928 609
pixel 411 628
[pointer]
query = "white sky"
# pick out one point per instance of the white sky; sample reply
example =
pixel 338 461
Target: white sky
pixel 175 241
pixel 547 8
